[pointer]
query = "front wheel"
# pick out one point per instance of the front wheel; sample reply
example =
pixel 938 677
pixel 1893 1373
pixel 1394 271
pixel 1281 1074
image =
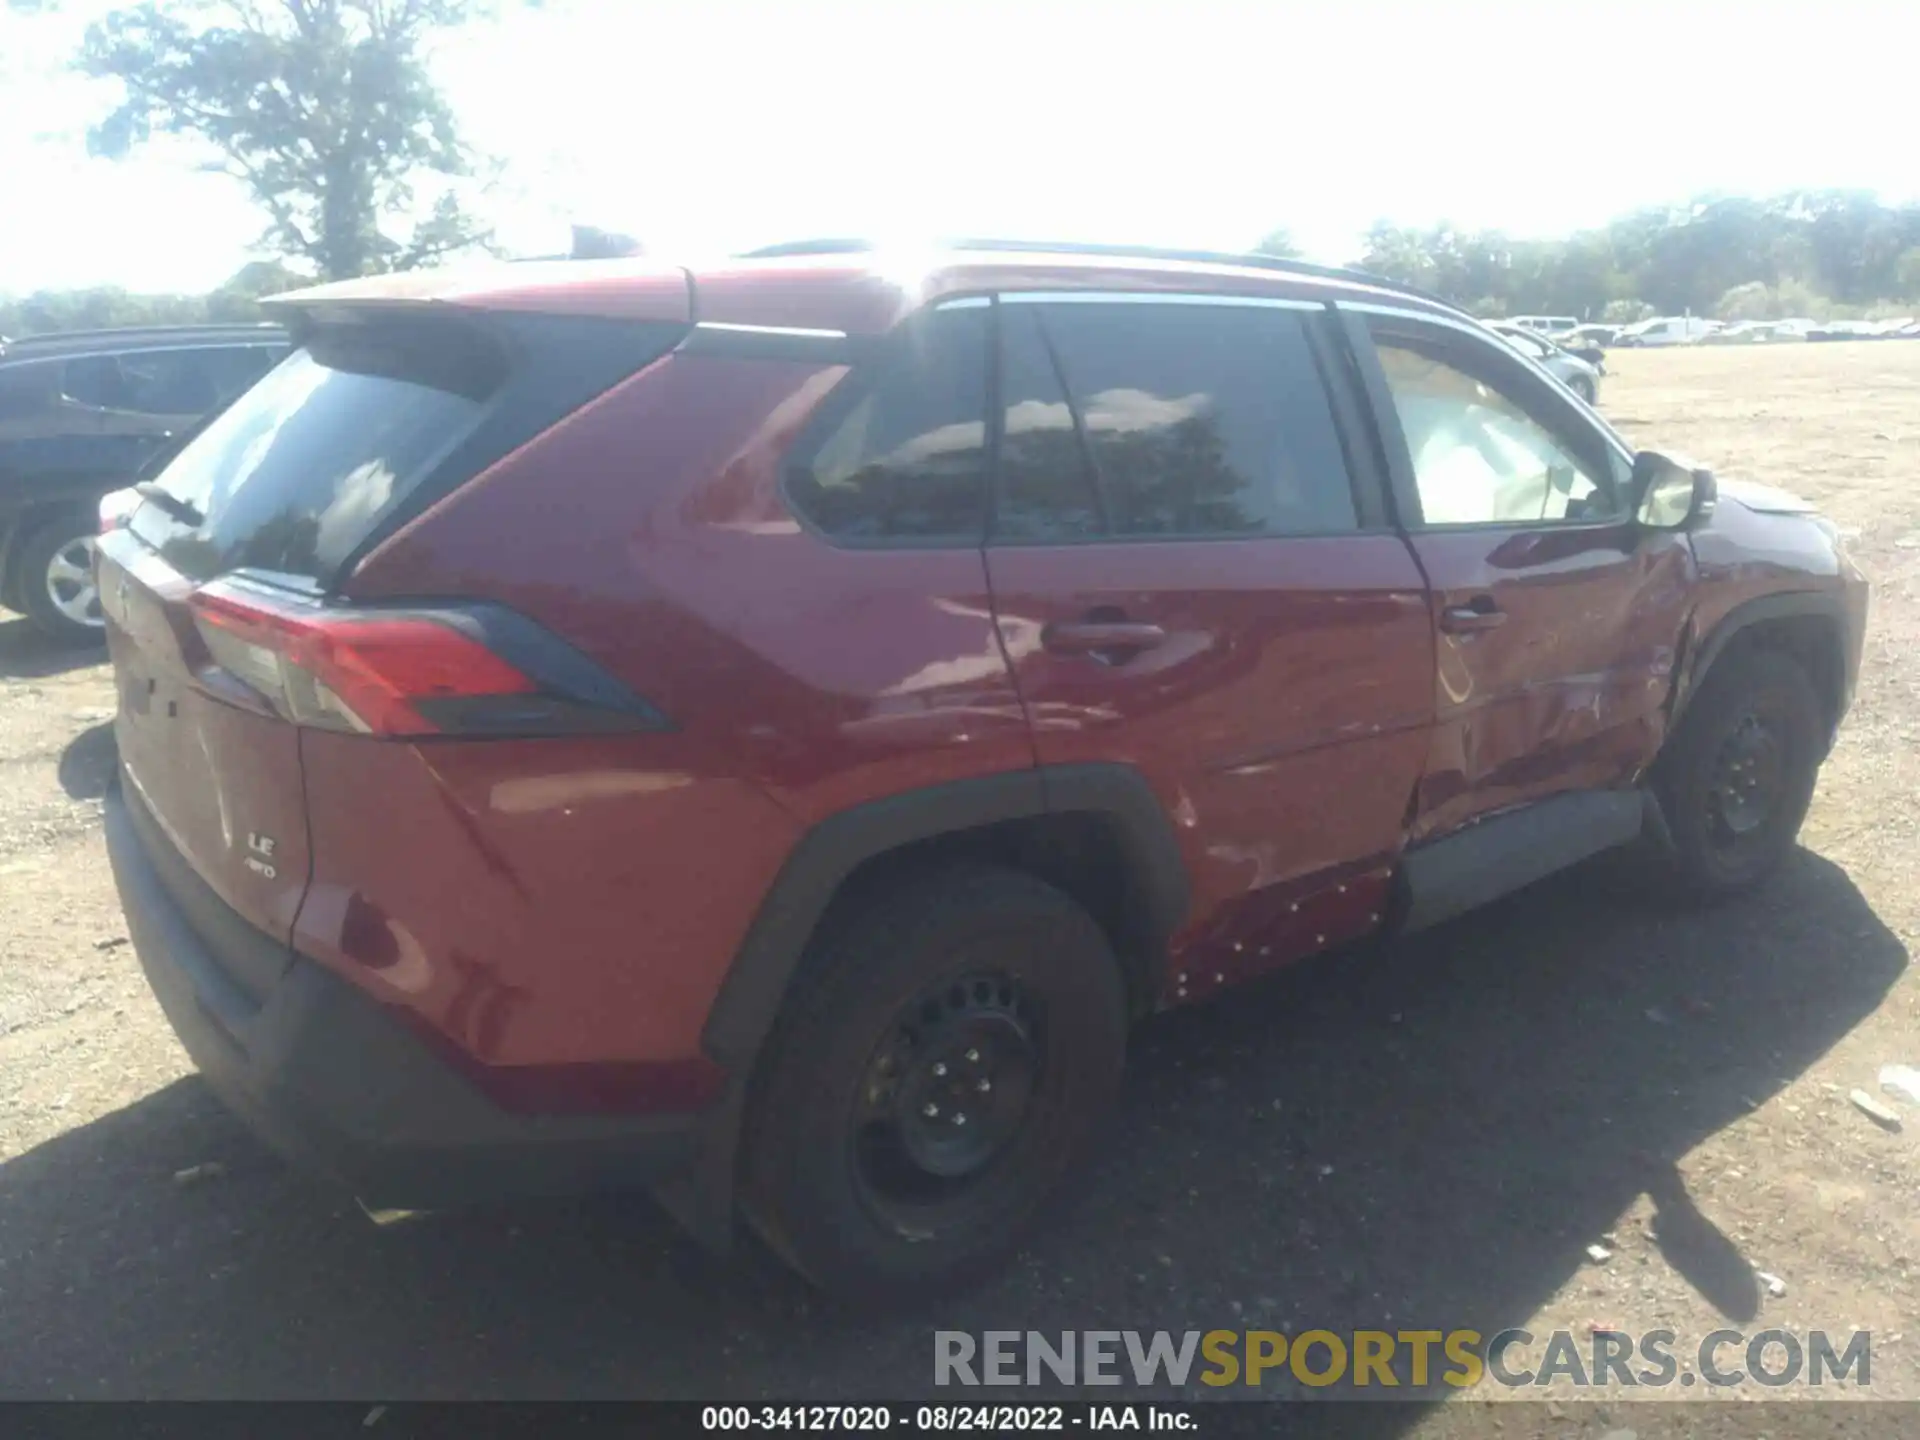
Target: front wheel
pixel 1740 773
pixel 942 1070
pixel 56 582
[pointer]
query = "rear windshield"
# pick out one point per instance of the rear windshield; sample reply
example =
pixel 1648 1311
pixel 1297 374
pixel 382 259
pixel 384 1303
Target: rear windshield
pixel 300 469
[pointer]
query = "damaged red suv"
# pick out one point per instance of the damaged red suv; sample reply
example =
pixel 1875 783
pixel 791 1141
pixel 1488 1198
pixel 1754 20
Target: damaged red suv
pixel 765 732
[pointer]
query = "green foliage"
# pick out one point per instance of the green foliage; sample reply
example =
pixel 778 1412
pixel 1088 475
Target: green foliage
pixel 1789 300
pixel 1812 252
pixel 107 307
pixel 1908 271
pixel 1279 244
pixel 323 108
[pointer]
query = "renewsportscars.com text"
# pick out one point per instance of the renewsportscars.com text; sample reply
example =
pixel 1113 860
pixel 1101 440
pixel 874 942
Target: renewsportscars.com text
pixel 1391 1359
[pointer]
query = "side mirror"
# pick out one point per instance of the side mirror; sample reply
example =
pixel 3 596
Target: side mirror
pixel 1672 494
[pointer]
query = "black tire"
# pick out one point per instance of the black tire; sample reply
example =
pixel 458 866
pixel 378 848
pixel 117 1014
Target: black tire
pixel 37 588
pixel 1737 779
pixel 830 1177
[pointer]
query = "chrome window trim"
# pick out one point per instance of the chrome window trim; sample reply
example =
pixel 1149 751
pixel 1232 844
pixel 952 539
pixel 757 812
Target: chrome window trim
pixel 1485 337
pixel 1155 297
pixel 797 332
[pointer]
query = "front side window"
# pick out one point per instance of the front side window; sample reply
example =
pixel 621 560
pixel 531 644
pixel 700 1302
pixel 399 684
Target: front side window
pixel 1479 457
pixel 903 457
pixel 1168 420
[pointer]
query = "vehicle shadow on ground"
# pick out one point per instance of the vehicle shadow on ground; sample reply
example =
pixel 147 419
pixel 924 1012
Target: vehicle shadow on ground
pixel 88 762
pixel 1425 1136
pixel 27 654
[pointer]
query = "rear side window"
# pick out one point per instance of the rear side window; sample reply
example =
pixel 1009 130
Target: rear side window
pixel 95 381
pixel 1186 420
pixel 901 456
pixel 27 391
pixel 233 369
pixel 1048 488
pixel 299 470
pixel 172 383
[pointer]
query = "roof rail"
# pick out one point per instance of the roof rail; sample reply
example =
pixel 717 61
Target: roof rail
pixel 1118 252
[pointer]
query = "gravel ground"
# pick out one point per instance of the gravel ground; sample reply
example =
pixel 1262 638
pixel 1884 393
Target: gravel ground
pixel 1426 1136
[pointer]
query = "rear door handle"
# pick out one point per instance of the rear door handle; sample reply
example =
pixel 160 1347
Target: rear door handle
pixel 1110 641
pixel 1479 613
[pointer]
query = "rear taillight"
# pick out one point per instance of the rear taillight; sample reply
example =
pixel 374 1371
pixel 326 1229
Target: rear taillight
pixel 404 673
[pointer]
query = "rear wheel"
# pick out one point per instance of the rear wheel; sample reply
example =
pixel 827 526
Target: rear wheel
pixel 1737 782
pixel 941 1073
pixel 56 581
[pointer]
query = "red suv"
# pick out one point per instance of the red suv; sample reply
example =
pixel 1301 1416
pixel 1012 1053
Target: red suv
pixel 765 732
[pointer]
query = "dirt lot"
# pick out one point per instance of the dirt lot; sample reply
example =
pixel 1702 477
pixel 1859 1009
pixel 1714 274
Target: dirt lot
pixel 1427 1137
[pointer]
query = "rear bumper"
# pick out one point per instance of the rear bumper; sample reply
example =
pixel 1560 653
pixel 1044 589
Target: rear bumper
pixel 326 1075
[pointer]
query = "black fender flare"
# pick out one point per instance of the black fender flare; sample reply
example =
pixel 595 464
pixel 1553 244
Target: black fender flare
pixel 750 998
pixel 1824 604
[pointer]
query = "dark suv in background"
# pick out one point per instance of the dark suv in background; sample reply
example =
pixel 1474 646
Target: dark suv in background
pixel 765 731
pixel 81 415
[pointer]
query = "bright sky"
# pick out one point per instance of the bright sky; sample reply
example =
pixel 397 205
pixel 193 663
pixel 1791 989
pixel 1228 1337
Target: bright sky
pixel 720 124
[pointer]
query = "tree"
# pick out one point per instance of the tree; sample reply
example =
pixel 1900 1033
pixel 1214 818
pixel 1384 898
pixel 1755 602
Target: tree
pixel 1908 272
pixel 1800 253
pixel 323 109
pixel 1279 244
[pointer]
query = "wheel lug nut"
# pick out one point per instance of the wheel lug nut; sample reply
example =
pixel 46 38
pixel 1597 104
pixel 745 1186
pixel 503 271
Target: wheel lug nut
pixel 931 1111
pixel 973 1056
pixel 984 1086
pixel 940 1069
pixel 960 1119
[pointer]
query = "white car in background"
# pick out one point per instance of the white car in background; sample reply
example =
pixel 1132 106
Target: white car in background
pixel 1745 332
pixel 1552 326
pixel 1576 372
pixel 1667 330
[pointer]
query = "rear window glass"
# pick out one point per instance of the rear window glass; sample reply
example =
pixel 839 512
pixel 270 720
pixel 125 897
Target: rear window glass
pixel 299 471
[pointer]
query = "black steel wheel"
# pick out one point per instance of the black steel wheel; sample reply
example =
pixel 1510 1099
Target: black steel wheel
pixel 948 1087
pixel 1740 772
pixel 941 1071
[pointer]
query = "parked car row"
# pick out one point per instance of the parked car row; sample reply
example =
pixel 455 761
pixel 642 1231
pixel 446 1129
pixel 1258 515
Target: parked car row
pixel 1698 330
pixel 1905 328
pixel 1579 370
